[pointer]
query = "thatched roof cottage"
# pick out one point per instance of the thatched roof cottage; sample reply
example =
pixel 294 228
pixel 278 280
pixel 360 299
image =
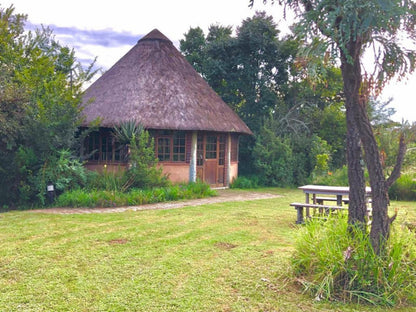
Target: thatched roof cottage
pixel 195 132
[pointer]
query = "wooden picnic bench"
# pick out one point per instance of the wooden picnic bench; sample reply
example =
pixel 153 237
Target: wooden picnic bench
pixel 321 194
pixel 323 210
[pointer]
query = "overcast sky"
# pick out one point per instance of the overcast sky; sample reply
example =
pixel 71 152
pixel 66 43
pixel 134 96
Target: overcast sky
pixel 107 29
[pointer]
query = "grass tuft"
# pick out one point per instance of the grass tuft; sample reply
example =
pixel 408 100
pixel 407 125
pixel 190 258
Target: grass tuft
pixel 333 264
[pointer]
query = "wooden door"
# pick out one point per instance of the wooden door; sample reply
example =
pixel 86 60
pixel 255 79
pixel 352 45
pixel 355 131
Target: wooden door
pixel 210 158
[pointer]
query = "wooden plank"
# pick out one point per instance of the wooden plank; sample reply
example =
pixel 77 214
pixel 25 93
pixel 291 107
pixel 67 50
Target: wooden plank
pixel 300 206
pixel 317 206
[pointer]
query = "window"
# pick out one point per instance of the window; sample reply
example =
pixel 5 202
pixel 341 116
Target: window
pixel 101 146
pixel 171 147
pixel 163 149
pixel 179 147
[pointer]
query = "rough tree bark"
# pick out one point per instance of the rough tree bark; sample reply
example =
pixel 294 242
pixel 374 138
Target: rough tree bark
pixel 351 74
pixel 357 117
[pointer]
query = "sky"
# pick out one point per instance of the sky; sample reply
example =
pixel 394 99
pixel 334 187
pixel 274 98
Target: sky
pixel 107 29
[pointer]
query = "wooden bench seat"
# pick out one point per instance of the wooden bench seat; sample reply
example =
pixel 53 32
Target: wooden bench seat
pixel 321 208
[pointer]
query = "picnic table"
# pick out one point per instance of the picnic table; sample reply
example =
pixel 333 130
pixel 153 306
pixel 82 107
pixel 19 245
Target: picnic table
pixel 317 195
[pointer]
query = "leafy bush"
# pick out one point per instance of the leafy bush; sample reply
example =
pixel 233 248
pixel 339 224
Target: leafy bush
pixel 332 264
pixel 105 198
pixel 338 177
pixel 273 159
pixel 143 171
pixel 60 169
pixel 245 183
pixel 404 188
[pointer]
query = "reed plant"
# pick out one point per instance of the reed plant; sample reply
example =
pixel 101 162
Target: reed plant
pixel 333 261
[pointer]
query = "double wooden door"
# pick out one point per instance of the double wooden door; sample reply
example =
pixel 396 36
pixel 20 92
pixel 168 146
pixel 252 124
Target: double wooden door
pixel 211 158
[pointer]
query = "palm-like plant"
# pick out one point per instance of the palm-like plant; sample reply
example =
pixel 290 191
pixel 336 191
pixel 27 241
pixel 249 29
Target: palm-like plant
pixel 126 131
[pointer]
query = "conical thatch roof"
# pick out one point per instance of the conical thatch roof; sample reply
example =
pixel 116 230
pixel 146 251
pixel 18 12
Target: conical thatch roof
pixel 155 85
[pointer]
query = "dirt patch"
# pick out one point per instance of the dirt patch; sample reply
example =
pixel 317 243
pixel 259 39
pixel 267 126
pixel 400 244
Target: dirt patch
pixel 225 246
pixel 119 241
pixel 224 195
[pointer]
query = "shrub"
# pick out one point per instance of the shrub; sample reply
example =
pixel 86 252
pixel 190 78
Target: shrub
pixel 245 183
pixel 404 188
pixel 106 198
pixel 63 171
pixel 332 264
pixel 338 177
pixel 143 171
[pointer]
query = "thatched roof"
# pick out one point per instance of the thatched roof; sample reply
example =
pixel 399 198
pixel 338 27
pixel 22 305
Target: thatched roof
pixel 155 85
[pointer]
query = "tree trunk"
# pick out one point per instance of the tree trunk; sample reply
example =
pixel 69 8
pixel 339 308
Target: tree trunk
pixel 357 210
pixel 351 74
pixel 380 225
pixel 356 101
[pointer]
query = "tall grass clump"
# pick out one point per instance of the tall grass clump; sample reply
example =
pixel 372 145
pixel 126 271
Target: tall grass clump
pixel 335 262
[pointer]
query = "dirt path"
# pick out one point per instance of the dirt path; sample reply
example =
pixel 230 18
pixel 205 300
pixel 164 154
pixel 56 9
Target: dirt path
pixel 226 195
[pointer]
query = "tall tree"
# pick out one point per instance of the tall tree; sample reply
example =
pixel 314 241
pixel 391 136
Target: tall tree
pixel 247 70
pixel 40 93
pixel 348 29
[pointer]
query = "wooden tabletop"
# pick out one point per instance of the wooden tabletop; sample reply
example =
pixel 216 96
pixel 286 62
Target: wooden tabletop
pixel 329 190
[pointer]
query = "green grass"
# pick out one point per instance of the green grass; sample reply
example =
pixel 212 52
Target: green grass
pixel 222 257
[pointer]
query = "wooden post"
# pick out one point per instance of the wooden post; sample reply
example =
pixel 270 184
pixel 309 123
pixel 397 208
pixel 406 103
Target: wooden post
pixel 300 216
pixel 192 162
pixel 228 161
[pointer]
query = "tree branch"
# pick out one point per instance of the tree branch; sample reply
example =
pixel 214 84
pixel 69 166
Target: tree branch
pixel 399 161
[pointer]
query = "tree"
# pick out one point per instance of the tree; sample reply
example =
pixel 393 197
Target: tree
pixel 248 70
pixel 40 96
pixel 346 29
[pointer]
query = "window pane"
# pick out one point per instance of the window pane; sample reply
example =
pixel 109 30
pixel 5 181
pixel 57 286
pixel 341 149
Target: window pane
pixel 211 147
pixel 179 146
pixel 163 149
pixel 92 146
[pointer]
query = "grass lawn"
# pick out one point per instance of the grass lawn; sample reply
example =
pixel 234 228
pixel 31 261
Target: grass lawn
pixel 218 257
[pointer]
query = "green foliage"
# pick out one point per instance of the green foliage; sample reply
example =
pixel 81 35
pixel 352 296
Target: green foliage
pixel 106 180
pixel 126 131
pixel 335 262
pixel 62 171
pixel 144 171
pixel 274 160
pixel 242 182
pixel 39 111
pixel 404 188
pixel 376 22
pixel 288 157
pixel 338 177
pixel 410 157
pixel 247 70
pixel 114 198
